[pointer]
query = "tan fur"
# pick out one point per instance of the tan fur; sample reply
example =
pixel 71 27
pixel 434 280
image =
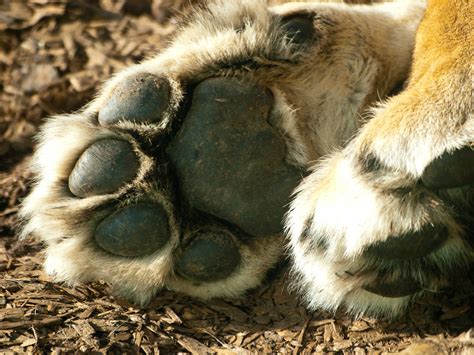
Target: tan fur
pixel 370 61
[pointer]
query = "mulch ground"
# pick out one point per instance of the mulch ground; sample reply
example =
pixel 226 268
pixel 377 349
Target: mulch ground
pixel 53 56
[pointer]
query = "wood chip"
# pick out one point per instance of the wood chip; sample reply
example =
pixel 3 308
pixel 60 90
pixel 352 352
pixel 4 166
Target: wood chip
pixel 45 321
pixel 193 345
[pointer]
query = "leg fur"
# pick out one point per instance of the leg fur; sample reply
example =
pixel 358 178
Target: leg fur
pixel 368 228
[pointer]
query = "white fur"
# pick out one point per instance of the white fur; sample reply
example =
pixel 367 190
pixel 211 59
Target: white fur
pixel 257 257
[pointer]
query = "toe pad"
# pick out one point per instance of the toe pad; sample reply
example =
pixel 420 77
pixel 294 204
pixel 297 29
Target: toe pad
pixel 103 168
pixel 142 98
pixel 299 28
pixel 395 289
pixel 411 245
pixel 454 169
pixel 135 230
pixel 209 257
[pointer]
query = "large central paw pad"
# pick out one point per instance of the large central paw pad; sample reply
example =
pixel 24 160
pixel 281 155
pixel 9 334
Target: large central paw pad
pixel 230 161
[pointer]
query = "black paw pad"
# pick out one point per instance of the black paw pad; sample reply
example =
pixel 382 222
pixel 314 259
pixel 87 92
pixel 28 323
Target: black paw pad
pixel 209 257
pixel 454 169
pixel 142 99
pixel 394 289
pixel 103 168
pixel 411 245
pixel 230 161
pixel 299 28
pixel 135 230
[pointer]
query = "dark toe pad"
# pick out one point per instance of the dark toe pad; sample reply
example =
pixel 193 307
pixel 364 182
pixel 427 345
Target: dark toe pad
pixel 411 245
pixel 394 289
pixel 103 168
pixel 454 169
pixel 135 230
pixel 142 98
pixel 209 257
pixel 230 161
pixel 299 28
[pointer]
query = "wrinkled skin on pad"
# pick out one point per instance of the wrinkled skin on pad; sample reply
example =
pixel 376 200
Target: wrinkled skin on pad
pixel 230 161
pixel 103 168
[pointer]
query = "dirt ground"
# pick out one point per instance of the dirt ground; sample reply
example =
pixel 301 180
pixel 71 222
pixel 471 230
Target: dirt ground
pixel 53 56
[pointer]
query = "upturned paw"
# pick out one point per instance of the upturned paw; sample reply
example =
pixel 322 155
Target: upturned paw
pixel 179 173
pixel 147 194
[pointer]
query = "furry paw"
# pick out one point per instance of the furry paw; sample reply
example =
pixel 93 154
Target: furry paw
pixel 368 247
pixel 388 218
pixel 179 174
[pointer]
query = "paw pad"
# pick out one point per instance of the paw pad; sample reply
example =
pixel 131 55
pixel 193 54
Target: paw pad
pixel 179 199
pixel 299 29
pixel 230 161
pixel 453 169
pixel 142 98
pixel 394 289
pixel 411 245
pixel 135 230
pixel 103 168
pixel 210 257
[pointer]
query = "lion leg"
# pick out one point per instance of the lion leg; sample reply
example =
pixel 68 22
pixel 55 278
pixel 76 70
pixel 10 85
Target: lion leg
pixel 384 220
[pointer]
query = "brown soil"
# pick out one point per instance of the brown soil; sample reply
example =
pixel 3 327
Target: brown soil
pixel 53 56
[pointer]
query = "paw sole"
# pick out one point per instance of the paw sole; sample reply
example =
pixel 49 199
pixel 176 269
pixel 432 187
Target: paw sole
pixel 229 160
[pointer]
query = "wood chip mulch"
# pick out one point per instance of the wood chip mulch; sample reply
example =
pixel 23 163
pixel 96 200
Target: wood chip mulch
pixel 53 56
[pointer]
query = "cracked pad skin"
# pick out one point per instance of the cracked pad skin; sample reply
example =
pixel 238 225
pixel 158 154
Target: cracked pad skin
pixel 103 167
pixel 230 161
